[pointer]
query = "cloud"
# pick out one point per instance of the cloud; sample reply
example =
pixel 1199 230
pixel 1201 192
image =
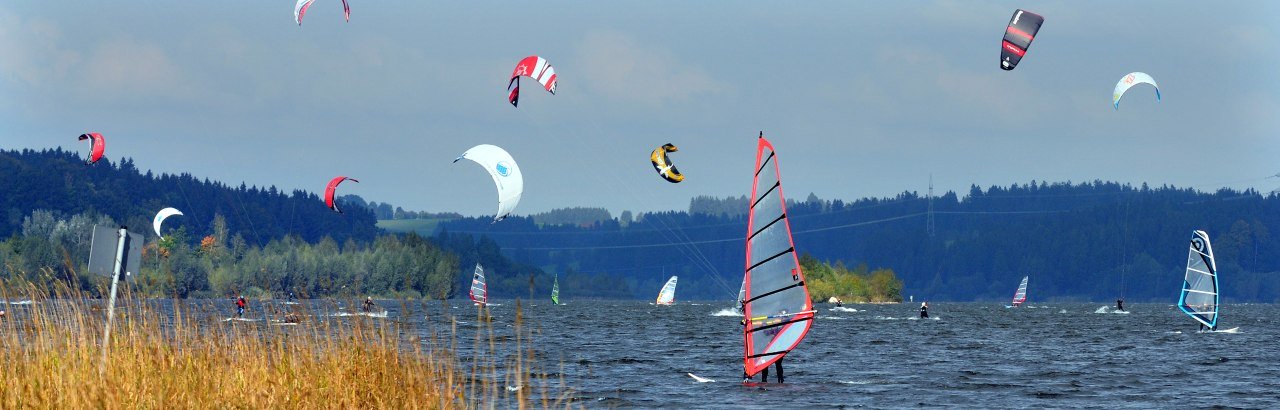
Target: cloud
pixel 32 51
pixel 124 68
pixel 620 67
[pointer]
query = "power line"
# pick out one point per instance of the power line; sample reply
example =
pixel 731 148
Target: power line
pixel 931 227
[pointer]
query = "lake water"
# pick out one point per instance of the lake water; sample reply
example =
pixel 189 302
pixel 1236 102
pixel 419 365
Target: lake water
pixel 969 355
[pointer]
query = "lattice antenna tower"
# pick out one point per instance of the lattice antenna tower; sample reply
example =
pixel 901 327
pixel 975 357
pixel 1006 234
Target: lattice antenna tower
pixel 933 230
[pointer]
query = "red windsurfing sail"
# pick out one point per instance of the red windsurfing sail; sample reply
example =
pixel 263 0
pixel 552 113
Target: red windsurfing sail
pixel 330 190
pixel 775 301
pixel 1020 296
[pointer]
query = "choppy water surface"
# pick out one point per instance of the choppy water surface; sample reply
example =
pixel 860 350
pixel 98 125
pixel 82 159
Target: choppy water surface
pixel 970 355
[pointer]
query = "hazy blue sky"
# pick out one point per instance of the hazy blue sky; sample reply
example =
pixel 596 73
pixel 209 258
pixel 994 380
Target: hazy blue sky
pixel 860 98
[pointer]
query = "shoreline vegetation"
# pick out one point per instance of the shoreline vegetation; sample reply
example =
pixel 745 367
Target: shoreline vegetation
pixel 857 285
pixel 188 357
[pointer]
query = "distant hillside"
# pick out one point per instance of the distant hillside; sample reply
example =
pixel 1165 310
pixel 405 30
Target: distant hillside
pixel 59 181
pixel 425 227
pixel 1091 241
pixel 247 240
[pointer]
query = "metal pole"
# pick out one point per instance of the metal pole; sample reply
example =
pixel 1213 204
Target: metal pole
pixel 121 244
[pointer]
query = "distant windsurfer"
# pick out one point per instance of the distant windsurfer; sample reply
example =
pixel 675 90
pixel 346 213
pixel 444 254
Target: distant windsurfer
pixel 1120 304
pixel 924 310
pixel 240 306
pixel 368 304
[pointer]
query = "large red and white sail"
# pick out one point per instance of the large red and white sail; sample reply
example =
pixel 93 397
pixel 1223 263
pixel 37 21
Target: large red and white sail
pixel 775 301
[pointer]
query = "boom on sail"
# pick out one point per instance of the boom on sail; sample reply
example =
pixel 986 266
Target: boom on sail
pixel 775 301
pixel 1199 297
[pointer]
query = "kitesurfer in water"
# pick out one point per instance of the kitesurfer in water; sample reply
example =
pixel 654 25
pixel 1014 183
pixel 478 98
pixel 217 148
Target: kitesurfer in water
pixel 368 304
pixel 1120 304
pixel 240 306
pixel 924 310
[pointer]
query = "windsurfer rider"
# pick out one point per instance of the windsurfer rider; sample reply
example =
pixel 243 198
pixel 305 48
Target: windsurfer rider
pixel 764 373
pixel 924 310
pixel 1120 304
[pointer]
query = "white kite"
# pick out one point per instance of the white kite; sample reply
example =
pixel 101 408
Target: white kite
pixel 1128 82
pixel 160 217
pixel 505 173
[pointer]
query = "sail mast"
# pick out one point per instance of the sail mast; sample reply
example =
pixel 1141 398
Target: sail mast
pixel 776 306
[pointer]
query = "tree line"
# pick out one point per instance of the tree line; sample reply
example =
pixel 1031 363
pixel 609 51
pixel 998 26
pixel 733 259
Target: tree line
pixel 1078 241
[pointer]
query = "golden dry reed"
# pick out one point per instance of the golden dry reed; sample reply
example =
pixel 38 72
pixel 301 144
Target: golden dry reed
pixel 51 357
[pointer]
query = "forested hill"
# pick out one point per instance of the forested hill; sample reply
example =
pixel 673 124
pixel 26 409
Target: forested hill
pixel 59 181
pixel 1091 241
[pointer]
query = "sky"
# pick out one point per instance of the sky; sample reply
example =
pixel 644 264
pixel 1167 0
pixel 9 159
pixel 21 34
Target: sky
pixel 861 99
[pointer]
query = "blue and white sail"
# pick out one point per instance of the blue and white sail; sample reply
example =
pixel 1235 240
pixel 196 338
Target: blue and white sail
pixel 667 295
pixel 1199 297
pixel 479 289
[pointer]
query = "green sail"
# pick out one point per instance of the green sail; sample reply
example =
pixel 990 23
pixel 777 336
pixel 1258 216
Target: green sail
pixel 555 291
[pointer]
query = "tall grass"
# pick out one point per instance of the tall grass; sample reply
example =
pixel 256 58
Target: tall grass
pixel 183 357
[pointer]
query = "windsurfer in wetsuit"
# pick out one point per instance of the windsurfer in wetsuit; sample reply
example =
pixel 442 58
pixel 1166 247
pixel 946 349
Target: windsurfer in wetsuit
pixel 1120 304
pixel 924 310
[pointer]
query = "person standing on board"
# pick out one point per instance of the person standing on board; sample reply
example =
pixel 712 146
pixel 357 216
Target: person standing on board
pixel 240 306
pixel 764 374
pixel 368 304
pixel 1120 304
pixel 839 303
pixel 924 310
